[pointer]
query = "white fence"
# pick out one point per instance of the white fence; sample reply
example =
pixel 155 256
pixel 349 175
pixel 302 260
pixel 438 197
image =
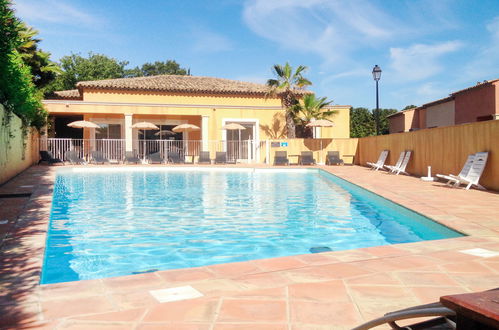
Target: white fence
pixel 248 151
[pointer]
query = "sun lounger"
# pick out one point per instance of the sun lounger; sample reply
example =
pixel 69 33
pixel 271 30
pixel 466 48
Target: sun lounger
pixel 475 172
pixel 46 156
pixel 155 158
pixel 204 157
pixel 175 158
pixel 307 158
pixel 281 158
pixel 403 165
pixel 221 157
pixel 131 157
pixel 381 161
pixel 444 314
pixel 397 164
pixel 74 159
pixel 464 171
pixel 97 157
pixel 333 158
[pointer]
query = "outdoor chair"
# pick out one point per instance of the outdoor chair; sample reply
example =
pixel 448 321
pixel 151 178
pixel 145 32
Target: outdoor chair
pixel 175 158
pixel 221 157
pixel 97 157
pixel 281 158
pixel 307 158
pixel 204 157
pixel 390 168
pixel 131 157
pixel 46 156
pixel 445 316
pixel 381 161
pixel 74 159
pixel 474 174
pixel 403 165
pixel 464 171
pixel 155 158
pixel 333 158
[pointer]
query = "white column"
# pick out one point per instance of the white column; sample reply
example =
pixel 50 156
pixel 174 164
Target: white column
pixel 128 132
pixel 318 133
pixel 204 131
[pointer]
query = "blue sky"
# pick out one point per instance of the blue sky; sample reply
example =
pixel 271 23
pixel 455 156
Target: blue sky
pixel 426 49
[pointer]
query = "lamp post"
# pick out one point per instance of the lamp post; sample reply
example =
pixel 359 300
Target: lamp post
pixel 377 76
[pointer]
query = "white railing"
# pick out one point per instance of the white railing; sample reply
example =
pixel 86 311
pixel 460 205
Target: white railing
pixel 114 149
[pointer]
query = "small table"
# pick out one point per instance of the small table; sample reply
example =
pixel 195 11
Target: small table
pixel 297 159
pixel 478 310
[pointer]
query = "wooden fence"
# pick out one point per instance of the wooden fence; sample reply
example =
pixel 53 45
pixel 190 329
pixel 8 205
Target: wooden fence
pixel 445 149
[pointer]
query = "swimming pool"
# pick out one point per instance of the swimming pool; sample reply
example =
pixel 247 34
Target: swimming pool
pixel 120 221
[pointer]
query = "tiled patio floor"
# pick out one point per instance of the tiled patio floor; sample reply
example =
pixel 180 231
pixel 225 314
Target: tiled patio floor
pixel 334 290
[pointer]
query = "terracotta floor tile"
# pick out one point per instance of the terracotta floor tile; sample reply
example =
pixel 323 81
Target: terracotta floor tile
pixel 53 309
pixel 270 293
pixel 428 295
pixel 132 282
pixel 322 291
pixel 374 279
pixel 425 279
pixel 234 269
pixel 466 267
pixel 174 326
pixel 249 326
pixel 95 326
pixel 195 310
pixel 128 315
pixel 274 264
pixel 240 310
pixel 324 313
pixel 186 275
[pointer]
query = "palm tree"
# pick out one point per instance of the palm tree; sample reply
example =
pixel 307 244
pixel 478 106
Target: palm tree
pixel 286 84
pixel 311 108
pixel 42 68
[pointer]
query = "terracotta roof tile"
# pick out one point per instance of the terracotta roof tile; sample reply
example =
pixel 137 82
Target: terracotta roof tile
pixel 175 83
pixel 72 94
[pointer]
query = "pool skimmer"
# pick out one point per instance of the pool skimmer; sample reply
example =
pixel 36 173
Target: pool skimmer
pixel 175 294
pixel 479 252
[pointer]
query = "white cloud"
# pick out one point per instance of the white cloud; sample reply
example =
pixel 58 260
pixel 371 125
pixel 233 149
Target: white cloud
pixel 330 29
pixel 420 61
pixel 52 11
pixel 485 64
pixel 204 40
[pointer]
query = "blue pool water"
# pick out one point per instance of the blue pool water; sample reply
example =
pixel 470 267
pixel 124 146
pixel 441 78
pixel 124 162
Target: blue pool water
pixel 113 222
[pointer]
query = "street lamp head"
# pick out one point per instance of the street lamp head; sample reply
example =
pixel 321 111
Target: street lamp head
pixel 376 72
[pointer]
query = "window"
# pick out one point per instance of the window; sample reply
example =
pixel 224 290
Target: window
pixel 108 131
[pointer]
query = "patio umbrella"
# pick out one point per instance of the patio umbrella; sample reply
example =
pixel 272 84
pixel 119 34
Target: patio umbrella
pixel 83 124
pixel 185 128
pixel 144 125
pixel 164 132
pixel 233 127
pixel 320 123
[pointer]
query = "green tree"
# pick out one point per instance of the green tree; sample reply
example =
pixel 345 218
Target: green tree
pixel 384 124
pixel 76 68
pixel 308 109
pixel 158 68
pixel 361 123
pixel 18 93
pixel 44 71
pixel 286 81
pixel 409 107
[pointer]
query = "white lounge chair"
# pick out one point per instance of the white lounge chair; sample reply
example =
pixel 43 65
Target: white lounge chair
pixel 464 171
pixel 403 165
pixel 397 164
pixel 381 161
pixel 474 173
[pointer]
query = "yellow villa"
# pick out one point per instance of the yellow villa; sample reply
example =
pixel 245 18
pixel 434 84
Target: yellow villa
pixel 167 101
